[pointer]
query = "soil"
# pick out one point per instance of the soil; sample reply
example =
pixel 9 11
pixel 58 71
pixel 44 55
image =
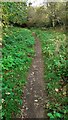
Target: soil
pixel 35 95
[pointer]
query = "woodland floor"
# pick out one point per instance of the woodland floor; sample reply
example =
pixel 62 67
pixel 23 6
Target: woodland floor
pixel 35 95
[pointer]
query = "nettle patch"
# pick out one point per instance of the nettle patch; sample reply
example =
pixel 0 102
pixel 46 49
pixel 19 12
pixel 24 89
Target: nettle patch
pixel 55 60
pixel 17 52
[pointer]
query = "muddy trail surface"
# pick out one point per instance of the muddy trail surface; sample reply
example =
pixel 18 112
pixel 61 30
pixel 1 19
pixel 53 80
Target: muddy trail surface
pixel 35 95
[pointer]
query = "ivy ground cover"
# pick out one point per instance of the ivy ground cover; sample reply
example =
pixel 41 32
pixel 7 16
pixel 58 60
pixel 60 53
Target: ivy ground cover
pixel 17 52
pixel 54 48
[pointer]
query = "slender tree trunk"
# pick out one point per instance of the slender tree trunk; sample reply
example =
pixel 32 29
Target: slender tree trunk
pixel 53 23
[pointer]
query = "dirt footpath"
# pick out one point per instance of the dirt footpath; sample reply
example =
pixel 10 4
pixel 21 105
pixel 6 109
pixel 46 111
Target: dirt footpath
pixel 34 92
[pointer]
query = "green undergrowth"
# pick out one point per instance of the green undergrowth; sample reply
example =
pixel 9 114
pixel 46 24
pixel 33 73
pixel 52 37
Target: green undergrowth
pixel 17 51
pixel 54 48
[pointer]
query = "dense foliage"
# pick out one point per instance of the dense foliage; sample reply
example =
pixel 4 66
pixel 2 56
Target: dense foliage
pixel 14 12
pixel 17 55
pixel 55 75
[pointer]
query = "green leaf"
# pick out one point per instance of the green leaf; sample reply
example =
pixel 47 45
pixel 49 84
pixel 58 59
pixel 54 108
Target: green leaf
pixel 50 115
pixel 57 114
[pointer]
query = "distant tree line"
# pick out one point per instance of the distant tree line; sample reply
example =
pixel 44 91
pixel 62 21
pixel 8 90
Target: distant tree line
pixel 48 15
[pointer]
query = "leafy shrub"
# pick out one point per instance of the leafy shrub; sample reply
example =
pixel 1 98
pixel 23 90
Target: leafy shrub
pixel 14 12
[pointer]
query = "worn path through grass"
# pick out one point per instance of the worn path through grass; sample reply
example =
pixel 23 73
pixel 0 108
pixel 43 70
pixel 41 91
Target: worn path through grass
pixel 34 97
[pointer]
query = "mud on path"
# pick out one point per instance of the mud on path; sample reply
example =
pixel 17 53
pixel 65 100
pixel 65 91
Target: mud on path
pixel 34 97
